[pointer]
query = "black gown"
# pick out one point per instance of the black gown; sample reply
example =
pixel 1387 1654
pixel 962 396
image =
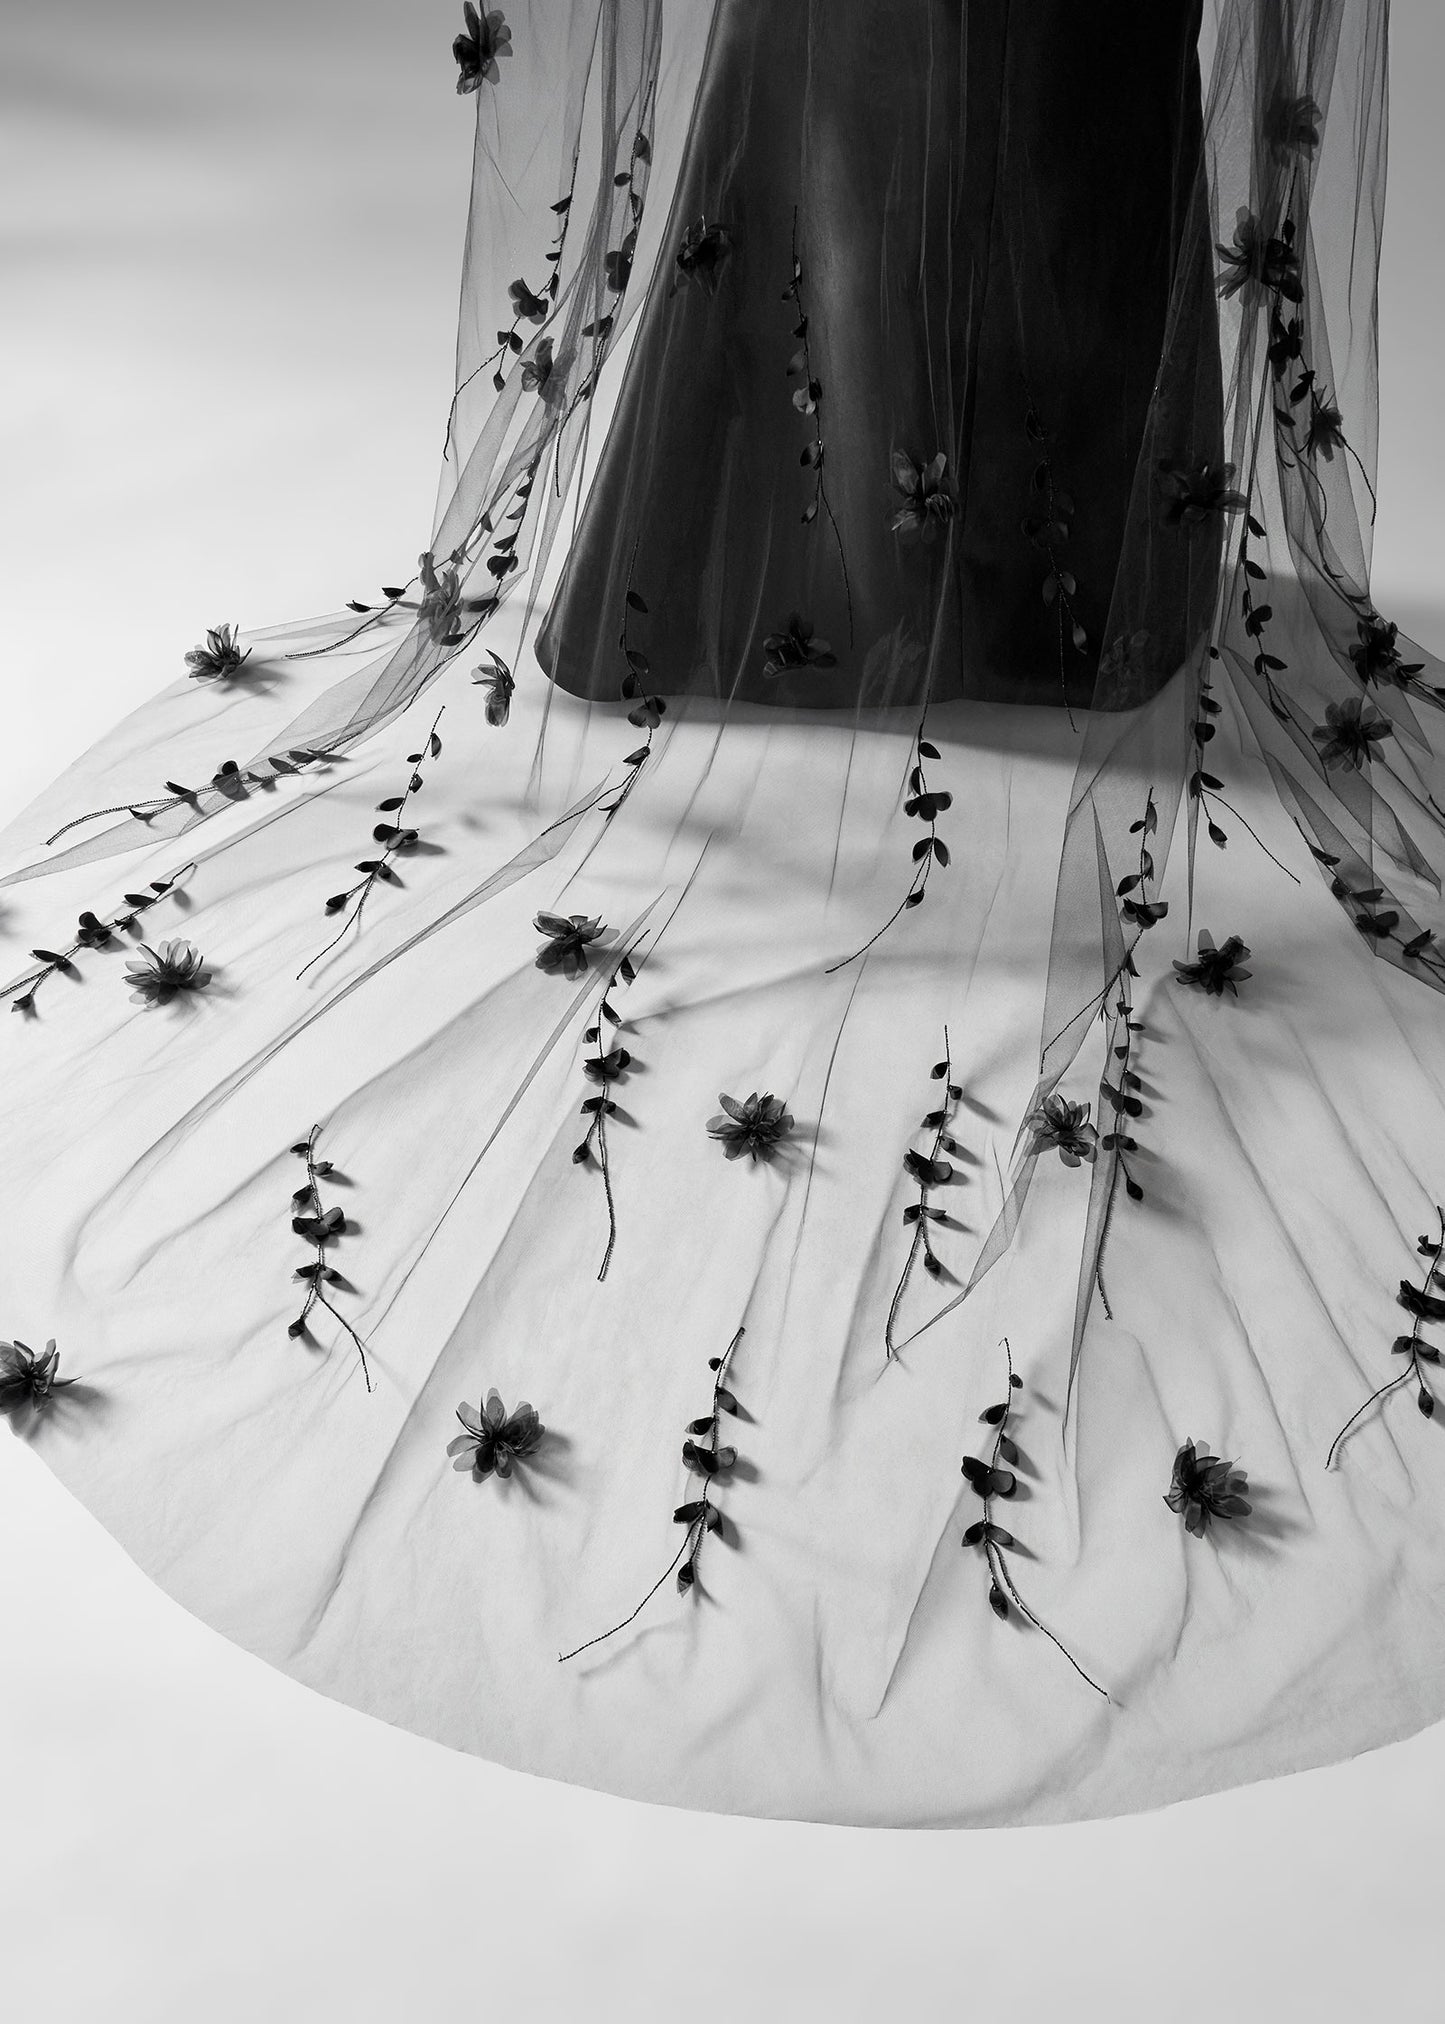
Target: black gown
pixel 988 207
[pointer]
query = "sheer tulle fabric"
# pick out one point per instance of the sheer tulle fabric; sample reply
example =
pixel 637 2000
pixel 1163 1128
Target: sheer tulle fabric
pixel 856 406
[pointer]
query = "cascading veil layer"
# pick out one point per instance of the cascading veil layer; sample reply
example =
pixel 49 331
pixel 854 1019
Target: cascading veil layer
pixel 910 466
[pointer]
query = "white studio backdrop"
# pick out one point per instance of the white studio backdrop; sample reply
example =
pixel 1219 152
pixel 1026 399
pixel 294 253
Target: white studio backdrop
pixel 231 240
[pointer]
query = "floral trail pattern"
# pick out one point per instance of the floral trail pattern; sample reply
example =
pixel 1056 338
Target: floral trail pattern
pixel 495 1441
pixel 394 836
pixel 1422 1306
pixel 321 1227
pixel 996 1476
pixel 705 1456
pixel 1203 1488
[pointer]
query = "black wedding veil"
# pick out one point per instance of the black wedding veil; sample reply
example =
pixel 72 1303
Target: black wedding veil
pixel 1260 467
pixel 903 538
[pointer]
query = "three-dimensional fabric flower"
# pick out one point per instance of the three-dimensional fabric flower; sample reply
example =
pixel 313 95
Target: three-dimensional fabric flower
pixel 1324 431
pixel 1258 259
pixel 495 1439
pixel 537 370
pixel 156 975
pixel 441 598
pixel 1350 732
pixel 1062 1127
pixel 929 499
pixel 1292 124
pixel 1194 493
pixel 1203 1488
pixel 219 658
pixel 1125 656
pixel 796 646
pixel 757 1126
pixel 532 308
pixel 703 254
pixel 497 684
pixel 569 937
pixel 28 1381
pixel 1213 968
pixel 1376 654
pixel 477 49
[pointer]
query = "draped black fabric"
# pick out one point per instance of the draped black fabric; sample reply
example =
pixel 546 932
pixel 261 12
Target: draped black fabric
pixel 986 206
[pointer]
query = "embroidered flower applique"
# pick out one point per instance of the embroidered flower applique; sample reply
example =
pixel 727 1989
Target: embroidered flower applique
pixel 756 1126
pixel 485 39
pixel 494 1440
pixel 158 975
pixel 220 658
pixel 1203 1488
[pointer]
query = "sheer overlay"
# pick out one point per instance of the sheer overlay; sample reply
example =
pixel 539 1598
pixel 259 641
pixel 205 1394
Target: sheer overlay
pixel 910 471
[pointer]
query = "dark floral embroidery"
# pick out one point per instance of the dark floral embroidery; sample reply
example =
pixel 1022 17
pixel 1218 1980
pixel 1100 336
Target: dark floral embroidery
pixel 1062 1127
pixel 1350 732
pixel 1215 969
pixel 1135 906
pixel 996 1477
pixel 498 685
pixel 1204 1488
pixel 157 975
pixel 807 399
pixel 478 48
pixel 703 1455
pixel 28 1381
pixel 569 940
pixel 756 1126
pixel 393 835
pixel 1376 654
pixel 1421 1305
pixel 526 305
pixel 796 645
pixel 229 779
pixel 1126 1105
pixel 1286 341
pixel 703 254
pixel 1194 493
pixel 90 933
pixel 1260 261
pixel 495 1440
pixel 617 263
pixel 1325 430
pixel 511 344
pixel 1126 659
pixel 1257 618
pixel 441 599
pixel 1323 423
pixel 537 370
pixel 929 498
pixel 924 804
pixel 928 1170
pixel 1202 784
pixel 219 658
pixel 604 1067
pixel 503 560
pixel 645 711
pixel 1292 124
pixel 1136 909
pixel 320 1226
pixel 1202 731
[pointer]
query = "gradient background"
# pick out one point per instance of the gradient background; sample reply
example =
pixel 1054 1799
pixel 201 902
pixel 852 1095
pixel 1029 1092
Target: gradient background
pixel 231 239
